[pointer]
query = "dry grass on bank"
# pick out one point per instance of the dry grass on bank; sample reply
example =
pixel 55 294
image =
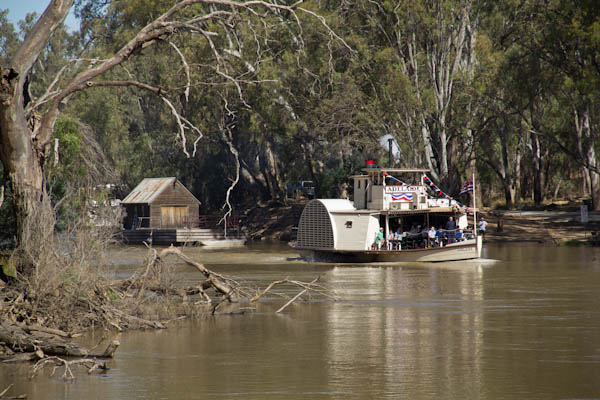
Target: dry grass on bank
pixel 554 227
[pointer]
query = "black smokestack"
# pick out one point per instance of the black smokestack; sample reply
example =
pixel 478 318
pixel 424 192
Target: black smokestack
pixel 390 141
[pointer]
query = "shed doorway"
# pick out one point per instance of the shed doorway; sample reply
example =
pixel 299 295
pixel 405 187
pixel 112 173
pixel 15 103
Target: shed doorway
pixel 173 216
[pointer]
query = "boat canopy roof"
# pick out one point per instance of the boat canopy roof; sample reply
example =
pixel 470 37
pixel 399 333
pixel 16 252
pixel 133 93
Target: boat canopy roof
pixel 333 205
pixel 397 170
pixel 436 210
pixel 375 171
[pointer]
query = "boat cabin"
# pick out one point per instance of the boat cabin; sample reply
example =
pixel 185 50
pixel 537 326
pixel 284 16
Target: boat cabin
pixel 389 189
pixel 160 203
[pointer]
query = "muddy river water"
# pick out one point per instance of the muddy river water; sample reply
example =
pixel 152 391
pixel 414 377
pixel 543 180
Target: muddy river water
pixel 523 323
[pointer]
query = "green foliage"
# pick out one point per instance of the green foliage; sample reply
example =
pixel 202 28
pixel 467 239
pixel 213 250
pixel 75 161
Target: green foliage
pixel 309 106
pixel 8 38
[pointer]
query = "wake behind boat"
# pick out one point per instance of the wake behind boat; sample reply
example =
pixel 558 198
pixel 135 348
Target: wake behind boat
pixel 389 221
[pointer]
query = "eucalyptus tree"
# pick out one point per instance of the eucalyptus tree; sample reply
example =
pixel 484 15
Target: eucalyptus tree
pixel 8 37
pixel 27 126
pixel 549 79
pixel 418 64
pixel 570 45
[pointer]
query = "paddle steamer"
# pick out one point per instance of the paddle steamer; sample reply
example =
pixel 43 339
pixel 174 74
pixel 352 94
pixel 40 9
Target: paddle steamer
pixel 339 230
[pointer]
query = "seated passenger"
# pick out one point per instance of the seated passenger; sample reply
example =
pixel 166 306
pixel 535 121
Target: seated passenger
pixel 431 234
pixel 440 236
pixel 390 239
pixel 398 235
pixel 459 235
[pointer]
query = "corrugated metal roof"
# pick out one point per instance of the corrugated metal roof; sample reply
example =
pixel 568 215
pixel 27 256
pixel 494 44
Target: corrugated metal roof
pixel 147 190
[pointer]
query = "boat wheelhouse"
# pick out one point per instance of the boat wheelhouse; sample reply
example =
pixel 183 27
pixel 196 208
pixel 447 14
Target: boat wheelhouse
pixel 402 204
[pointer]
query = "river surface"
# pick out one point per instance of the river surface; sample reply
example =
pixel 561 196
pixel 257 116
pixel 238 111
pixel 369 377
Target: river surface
pixel 522 323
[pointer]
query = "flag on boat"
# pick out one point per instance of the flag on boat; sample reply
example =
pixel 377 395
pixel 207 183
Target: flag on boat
pixel 402 197
pixel 466 187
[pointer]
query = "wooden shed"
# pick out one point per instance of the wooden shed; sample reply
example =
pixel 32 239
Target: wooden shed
pixel 160 203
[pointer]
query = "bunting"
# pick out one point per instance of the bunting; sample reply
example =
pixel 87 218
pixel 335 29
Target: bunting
pixel 394 179
pixel 439 193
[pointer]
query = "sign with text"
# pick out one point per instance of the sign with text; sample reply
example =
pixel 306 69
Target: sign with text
pixel 403 189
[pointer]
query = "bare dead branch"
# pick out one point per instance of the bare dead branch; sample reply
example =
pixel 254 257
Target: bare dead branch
pixel 224 285
pixel 162 27
pixel 227 136
pixel 51 92
pixel 291 301
pixel 308 286
pixel 56 362
pixel 182 123
pixel 6 390
pixel 331 31
pixel 156 90
pixel 186 68
pixel 268 288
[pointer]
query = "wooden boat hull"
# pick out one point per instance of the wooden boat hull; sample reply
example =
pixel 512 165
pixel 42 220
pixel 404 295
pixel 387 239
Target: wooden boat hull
pixel 469 249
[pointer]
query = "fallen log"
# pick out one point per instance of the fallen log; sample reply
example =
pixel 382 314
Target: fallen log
pixel 24 340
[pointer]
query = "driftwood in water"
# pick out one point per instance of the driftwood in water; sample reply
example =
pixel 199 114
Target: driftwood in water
pixel 91 365
pixel 312 287
pixel 38 344
pixel 220 283
pixel 5 391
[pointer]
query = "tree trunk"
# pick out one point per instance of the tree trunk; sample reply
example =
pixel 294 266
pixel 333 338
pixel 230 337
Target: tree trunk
pixel 536 157
pixel 306 148
pixel 538 196
pixel 588 155
pixel 270 169
pixel 21 145
pixel 21 161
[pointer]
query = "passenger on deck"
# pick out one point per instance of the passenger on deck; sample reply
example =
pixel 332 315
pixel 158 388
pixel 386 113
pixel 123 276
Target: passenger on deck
pixel 450 229
pixel 379 239
pixel 441 236
pixel 398 235
pixel 398 239
pixel 481 225
pixel 459 235
pixel 424 233
pixel 431 235
pixel 390 240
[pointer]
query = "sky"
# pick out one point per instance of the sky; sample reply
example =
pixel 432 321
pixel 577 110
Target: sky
pixel 17 9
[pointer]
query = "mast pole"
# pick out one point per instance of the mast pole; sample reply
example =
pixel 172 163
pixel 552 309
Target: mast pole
pixel 474 206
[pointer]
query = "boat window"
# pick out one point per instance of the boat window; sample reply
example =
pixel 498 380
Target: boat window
pixel 348 224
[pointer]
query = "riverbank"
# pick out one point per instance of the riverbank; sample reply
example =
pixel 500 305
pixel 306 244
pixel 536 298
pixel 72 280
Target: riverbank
pixel 278 222
pixel 556 227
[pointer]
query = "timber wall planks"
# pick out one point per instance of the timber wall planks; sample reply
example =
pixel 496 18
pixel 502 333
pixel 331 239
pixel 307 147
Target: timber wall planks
pixel 174 195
